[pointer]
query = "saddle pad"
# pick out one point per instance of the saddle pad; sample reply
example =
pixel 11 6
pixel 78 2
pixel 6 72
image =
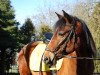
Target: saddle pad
pixel 35 59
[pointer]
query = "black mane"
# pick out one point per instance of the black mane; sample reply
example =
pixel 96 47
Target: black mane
pixel 89 39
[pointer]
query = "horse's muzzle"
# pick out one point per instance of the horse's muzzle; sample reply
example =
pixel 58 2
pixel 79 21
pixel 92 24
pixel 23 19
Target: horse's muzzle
pixel 49 58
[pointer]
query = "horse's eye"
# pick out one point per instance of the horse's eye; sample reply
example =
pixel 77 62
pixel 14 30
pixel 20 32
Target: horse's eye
pixel 61 33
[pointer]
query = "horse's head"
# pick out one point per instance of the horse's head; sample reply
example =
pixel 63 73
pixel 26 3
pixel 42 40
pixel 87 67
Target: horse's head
pixel 66 38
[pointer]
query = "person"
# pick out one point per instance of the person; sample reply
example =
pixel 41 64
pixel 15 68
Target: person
pixel 47 37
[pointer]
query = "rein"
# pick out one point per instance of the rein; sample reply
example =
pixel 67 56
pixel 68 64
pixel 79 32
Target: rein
pixel 40 69
pixel 86 58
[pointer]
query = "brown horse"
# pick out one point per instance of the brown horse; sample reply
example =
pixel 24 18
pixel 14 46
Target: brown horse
pixel 71 38
pixel 23 60
pixel 73 42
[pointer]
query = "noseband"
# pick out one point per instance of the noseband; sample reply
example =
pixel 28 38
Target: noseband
pixel 65 40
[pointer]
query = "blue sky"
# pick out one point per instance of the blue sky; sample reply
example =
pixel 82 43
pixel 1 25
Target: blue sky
pixel 29 8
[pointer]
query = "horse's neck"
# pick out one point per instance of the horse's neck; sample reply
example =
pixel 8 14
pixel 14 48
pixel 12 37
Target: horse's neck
pixel 69 66
pixel 72 66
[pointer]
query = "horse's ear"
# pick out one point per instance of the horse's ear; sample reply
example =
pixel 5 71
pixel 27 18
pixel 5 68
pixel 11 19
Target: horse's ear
pixel 69 17
pixel 59 16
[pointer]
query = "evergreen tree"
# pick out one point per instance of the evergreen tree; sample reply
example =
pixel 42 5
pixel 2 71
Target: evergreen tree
pixel 6 14
pixel 7 35
pixel 26 31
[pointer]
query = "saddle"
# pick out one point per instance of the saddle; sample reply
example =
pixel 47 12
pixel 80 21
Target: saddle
pixel 35 59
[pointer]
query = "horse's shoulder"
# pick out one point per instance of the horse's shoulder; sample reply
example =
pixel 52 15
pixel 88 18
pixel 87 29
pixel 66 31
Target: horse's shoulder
pixel 27 48
pixel 32 45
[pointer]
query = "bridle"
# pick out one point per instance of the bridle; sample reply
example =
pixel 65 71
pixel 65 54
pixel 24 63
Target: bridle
pixel 65 40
